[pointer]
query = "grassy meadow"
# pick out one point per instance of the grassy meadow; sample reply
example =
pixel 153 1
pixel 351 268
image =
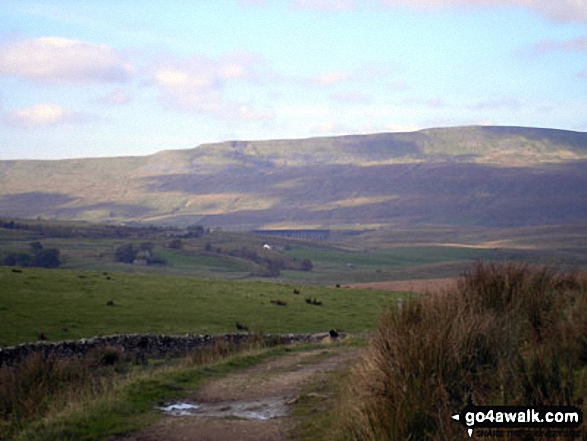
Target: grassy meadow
pixel 65 304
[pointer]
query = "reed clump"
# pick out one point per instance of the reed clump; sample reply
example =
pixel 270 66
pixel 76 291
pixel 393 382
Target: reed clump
pixel 508 334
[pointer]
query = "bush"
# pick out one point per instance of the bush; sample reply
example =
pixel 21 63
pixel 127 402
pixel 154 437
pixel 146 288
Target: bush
pixel 18 259
pixel 126 253
pixel 47 258
pixel 43 258
pixel 508 335
pixel 306 265
pixel 30 389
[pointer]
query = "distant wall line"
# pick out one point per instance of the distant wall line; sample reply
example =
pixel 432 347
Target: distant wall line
pixel 143 345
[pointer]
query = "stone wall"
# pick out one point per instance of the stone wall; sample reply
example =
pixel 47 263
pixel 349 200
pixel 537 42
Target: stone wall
pixel 142 345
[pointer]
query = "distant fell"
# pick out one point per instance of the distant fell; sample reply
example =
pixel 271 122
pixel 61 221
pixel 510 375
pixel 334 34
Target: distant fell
pixel 489 176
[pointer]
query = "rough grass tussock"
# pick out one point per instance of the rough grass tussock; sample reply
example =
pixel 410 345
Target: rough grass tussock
pixel 507 335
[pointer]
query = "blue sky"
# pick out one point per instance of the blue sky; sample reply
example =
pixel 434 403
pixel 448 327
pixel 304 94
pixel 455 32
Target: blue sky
pixel 111 78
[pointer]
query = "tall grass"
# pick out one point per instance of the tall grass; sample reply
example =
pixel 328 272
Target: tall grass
pixel 37 385
pixel 40 388
pixel 507 335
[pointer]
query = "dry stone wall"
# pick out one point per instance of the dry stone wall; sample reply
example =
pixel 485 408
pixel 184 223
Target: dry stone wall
pixel 142 345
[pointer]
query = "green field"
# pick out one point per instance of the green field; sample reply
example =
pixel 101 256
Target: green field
pixel 66 304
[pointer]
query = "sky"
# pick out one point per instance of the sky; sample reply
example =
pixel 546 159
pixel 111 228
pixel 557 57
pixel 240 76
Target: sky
pixel 94 78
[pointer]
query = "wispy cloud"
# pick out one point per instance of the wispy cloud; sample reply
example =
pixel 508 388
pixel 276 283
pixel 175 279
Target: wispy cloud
pixel 329 78
pixel 330 128
pixel 499 103
pixel 117 97
pixel 63 60
pixel 560 10
pixel 324 5
pixel 198 84
pixel 573 45
pixel 426 102
pixel 252 3
pixel 363 73
pixel 42 114
pixel 351 98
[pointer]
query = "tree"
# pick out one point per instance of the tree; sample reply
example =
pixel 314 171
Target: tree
pixel 126 253
pixel 17 259
pixel 47 258
pixel 274 267
pixel 176 244
pixel 36 247
pixel 147 247
pixel 306 265
pixel 196 230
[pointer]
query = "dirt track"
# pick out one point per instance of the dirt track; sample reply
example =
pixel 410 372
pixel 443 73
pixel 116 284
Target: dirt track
pixel 274 383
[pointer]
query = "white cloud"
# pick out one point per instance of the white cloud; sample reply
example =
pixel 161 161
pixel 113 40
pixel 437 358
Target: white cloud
pixel 199 85
pixel 351 98
pixel 41 114
pixel 115 98
pixel 62 60
pixel 324 5
pixel 330 128
pixel 330 78
pixel 559 10
pixel 304 111
pixel 426 102
pixel 363 73
pixel 499 103
pixel 252 3
pixel 573 45
pixel 556 10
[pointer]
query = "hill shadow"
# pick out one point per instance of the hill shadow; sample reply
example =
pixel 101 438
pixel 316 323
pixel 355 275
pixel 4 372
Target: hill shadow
pixel 451 193
pixel 33 204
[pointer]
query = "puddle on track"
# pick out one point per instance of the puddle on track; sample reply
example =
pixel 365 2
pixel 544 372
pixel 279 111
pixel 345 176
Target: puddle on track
pixel 262 409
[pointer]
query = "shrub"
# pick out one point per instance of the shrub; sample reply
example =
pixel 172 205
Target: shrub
pixel 30 389
pixel 507 335
pixel 104 356
pixel 126 253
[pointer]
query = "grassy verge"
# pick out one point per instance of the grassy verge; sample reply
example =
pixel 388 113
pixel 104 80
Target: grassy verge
pixel 128 403
pixel 316 411
pixel 508 335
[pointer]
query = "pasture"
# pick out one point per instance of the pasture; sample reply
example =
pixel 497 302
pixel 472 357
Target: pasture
pixel 73 304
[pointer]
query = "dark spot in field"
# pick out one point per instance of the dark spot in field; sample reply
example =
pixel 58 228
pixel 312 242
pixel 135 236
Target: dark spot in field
pixel 296 291
pixel 110 303
pixel 278 302
pixel 313 301
pixel 15 270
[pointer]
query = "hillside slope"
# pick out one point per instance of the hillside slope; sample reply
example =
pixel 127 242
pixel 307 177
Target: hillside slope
pixel 490 176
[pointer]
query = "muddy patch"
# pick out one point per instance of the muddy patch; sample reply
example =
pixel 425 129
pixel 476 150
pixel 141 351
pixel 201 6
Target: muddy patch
pixel 261 409
pixel 252 405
